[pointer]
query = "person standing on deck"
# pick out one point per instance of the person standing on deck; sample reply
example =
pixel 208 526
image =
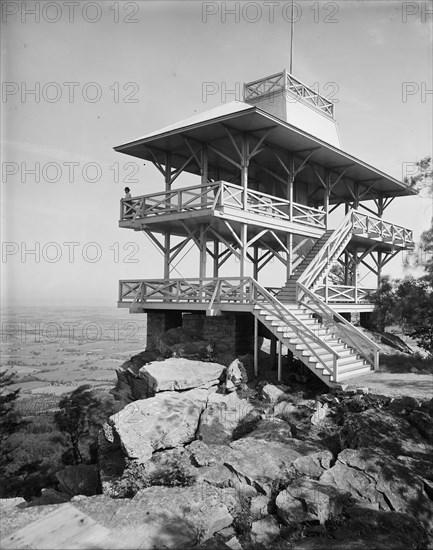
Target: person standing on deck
pixel 128 212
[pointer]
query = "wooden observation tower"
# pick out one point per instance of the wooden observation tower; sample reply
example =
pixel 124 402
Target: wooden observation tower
pixel 270 172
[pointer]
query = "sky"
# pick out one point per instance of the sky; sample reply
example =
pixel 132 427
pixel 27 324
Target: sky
pixel 79 78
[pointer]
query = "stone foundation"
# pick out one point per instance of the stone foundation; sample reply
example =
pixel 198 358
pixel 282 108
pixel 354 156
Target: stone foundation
pixel 231 333
pixel 159 322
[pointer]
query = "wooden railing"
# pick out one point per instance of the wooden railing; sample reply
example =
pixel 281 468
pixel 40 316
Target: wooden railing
pixel 379 228
pixel 327 253
pixel 219 195
pixel 353 223
pixel 282 82
pixel 339 326
pixel 344 294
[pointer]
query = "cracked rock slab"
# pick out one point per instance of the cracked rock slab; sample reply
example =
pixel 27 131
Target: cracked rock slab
pixel 170 419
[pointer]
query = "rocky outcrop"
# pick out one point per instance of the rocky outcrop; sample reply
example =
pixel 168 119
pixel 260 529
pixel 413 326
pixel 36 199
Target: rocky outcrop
pixel 179 374
pixel 310 501
pixel 380 482
pixel 169 419
pixel 82 479
pixel 139 382
pixel 172 517
pixel 221 416
pixel 240 371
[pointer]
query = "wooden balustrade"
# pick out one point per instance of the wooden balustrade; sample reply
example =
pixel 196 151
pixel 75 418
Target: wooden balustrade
pixel 219 195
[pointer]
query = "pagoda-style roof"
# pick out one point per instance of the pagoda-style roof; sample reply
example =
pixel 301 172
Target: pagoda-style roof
pixel 237 118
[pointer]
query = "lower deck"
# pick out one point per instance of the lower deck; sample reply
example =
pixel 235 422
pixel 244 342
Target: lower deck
pixel 225 295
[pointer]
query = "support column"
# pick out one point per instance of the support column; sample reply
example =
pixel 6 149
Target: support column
pixel 355 274
pixel 379 268
pixel 202 271
pixel 256 346
pixel 380 206
pixel 289 243
pixel 280 360
pixel 256 263
pixel 242 261
pixel 204 170
pixel 326 194
pixel 216 250
pixel 273 352
pixel 167 233
pixel 167 171
pixel 166 256
pixel 244 170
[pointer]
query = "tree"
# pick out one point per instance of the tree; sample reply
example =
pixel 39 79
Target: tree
pixel 79 418
pixel 10 420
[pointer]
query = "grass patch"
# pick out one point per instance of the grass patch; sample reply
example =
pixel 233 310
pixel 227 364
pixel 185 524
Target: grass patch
pixel 400 364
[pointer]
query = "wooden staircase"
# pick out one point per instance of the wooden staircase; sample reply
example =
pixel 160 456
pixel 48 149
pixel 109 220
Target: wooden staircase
pixel 322 351
pixel 317 335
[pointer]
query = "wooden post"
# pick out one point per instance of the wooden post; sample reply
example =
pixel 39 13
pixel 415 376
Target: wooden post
pixel 280 359
pixel 290 197
pixel 167 171
pixel 326 195
pixel 256 263
pixel 379 268
pixel 242 263
pixel 166 256
pixel 380 207
pixel 215 259
pixel 289 242
pixel 256 346
pixel 204 171
pixel 244 170
pixel 355 274
pixel 202 271
pixel 273 351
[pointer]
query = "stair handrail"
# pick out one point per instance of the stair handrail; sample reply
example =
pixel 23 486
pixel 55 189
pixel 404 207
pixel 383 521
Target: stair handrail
pixel 325 254
pixel 293 322
pixel 351 331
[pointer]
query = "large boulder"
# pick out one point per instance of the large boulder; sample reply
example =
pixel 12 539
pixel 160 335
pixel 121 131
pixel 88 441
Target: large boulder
pixel 313 465
pixel 381 482
pixel 273 393
pixel 222 415
pixel 172 517
pixel 136 383
pixel 382 430
pixel 240 371
pixel 307 500
pixel 130 386
pixel 367 529
pixel 179 374
pixel 170 419
pixel 82 479
pixel 262 463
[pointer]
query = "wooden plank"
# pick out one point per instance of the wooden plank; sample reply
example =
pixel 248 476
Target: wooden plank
pixel 67 527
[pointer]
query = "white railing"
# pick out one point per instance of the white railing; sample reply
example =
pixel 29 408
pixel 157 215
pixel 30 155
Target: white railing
pixel 344 294
pixel 339 326
pixel 353 223
pixel 234 290
pixel 219 195
pixel 276 84
pixel 379 228
pixel 327 253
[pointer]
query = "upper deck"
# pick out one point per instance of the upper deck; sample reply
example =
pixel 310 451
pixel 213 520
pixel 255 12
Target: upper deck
pixel 179 210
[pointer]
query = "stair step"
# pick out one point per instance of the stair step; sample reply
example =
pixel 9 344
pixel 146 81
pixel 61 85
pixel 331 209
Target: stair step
pixel 349 367
pixel 354 374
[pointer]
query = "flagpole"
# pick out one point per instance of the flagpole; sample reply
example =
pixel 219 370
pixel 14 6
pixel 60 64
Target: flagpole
pixel 292 28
